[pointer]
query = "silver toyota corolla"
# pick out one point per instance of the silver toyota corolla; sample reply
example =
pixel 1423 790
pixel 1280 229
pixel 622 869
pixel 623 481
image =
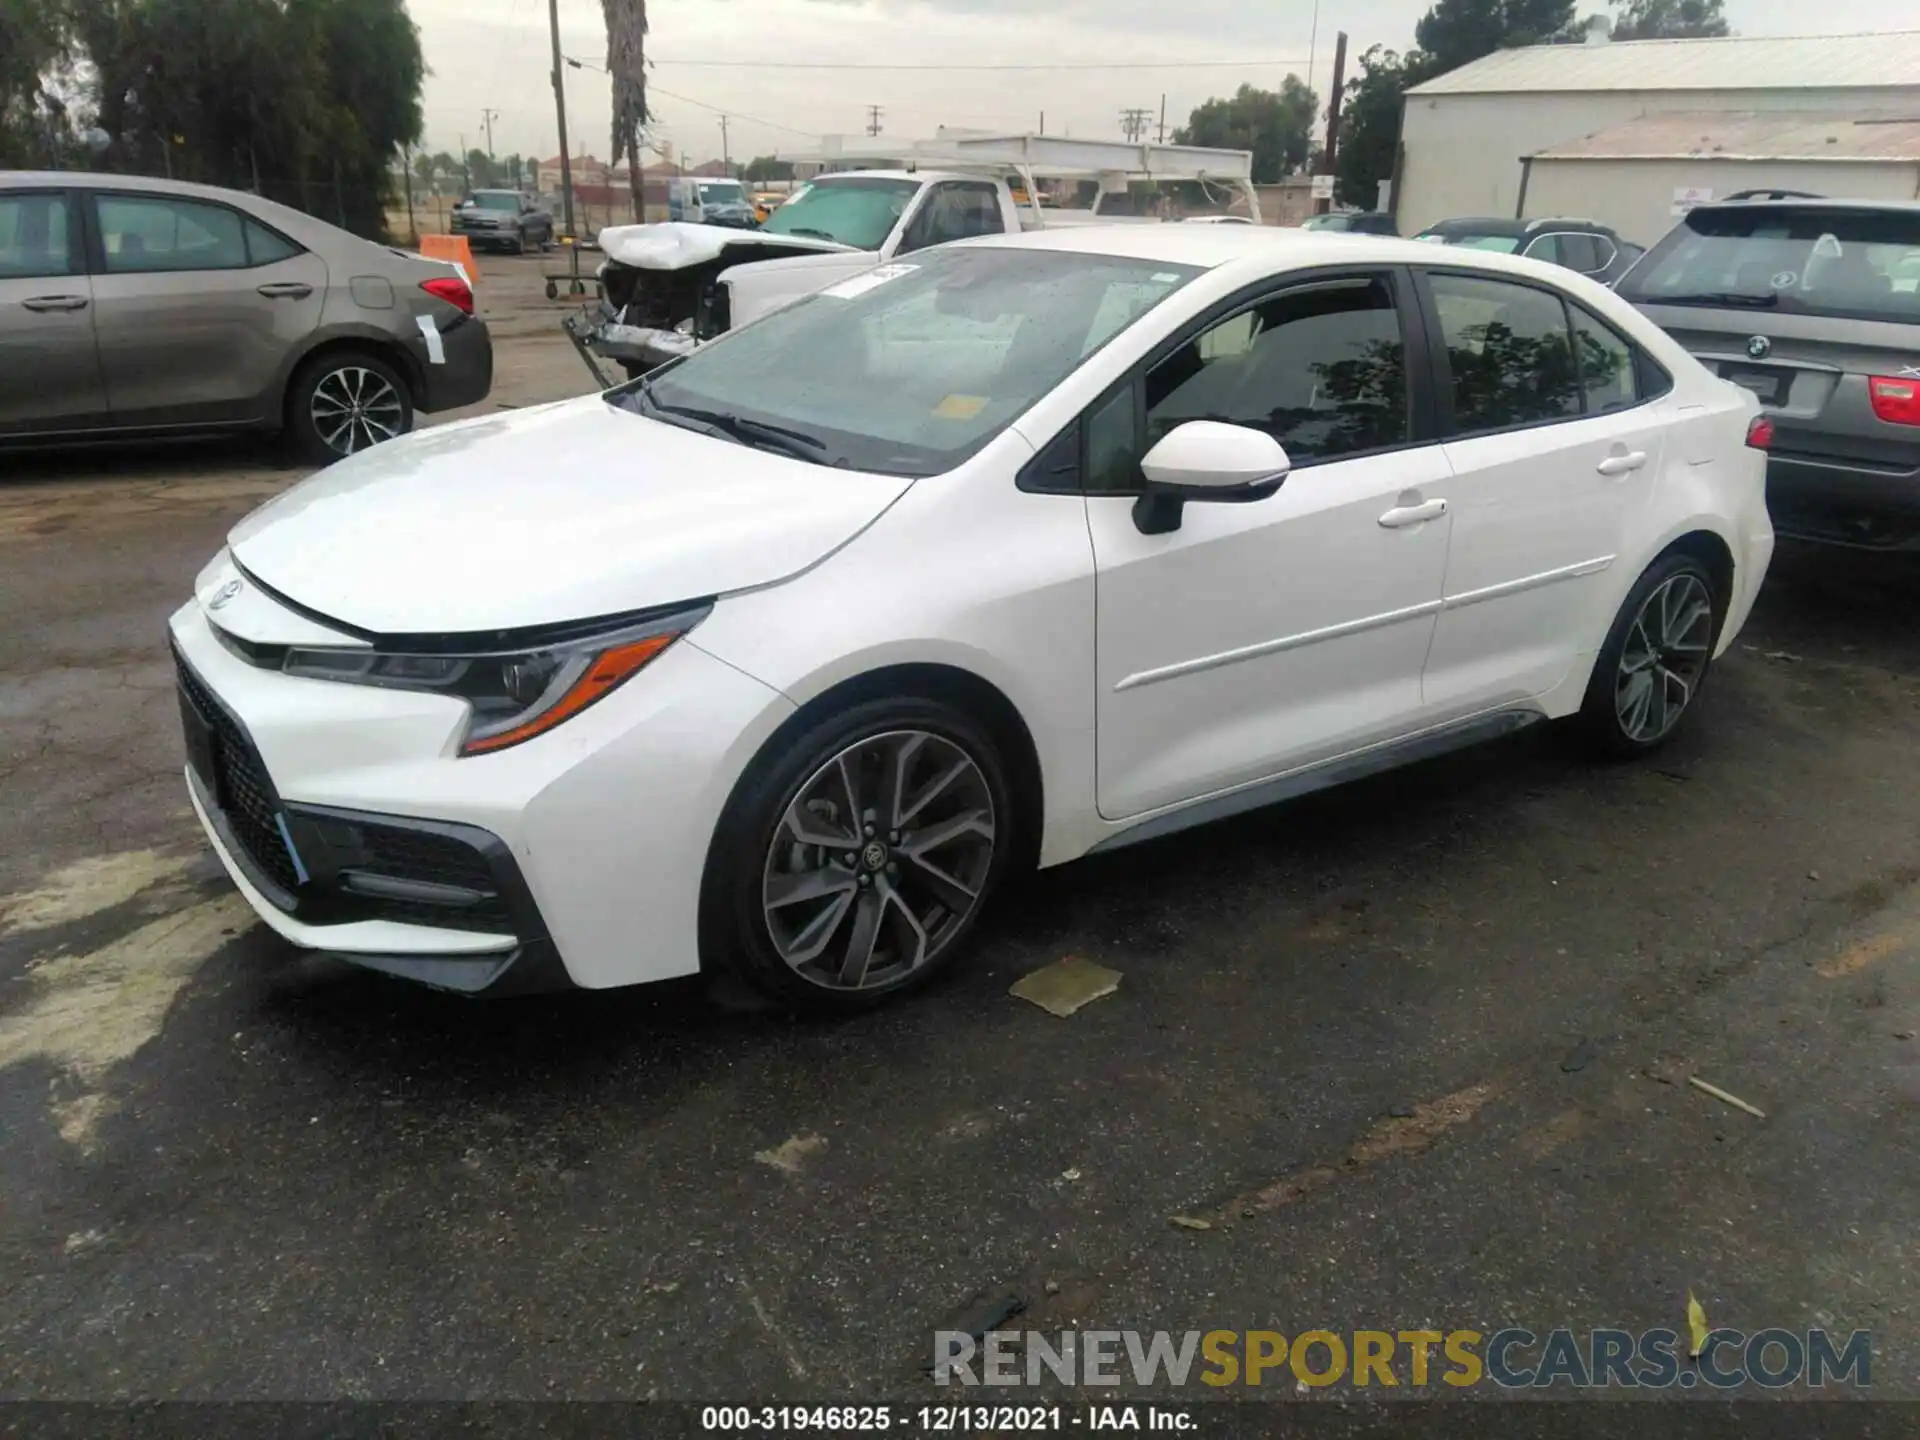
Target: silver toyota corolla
pixel 134 306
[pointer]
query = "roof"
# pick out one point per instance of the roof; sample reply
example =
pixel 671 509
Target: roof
pixel 1749 135
pixel 1741 62
pixel 1507 225
pixel 1211 246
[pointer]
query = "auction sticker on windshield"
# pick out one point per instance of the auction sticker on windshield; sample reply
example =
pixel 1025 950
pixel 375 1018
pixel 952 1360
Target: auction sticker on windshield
pixel 860 284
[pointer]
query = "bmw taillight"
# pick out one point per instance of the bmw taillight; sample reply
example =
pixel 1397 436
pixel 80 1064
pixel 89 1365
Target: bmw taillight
pixel 452 289
pixel 1760 432
pixel 1895 401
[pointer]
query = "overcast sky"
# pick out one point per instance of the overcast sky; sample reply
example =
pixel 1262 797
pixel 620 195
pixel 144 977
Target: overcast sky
pixel 775 67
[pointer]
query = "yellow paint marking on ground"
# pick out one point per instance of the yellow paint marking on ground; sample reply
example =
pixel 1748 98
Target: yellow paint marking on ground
pixel 1861 954
pixel 87 887
pixel 88 1013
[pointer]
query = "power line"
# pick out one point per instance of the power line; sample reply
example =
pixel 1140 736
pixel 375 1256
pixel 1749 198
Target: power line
pixel 864 65
pixel 736 114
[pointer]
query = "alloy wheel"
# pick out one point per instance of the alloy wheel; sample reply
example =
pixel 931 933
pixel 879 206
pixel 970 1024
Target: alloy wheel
pixel 353 408
pixel 878 861
pixel 1664 658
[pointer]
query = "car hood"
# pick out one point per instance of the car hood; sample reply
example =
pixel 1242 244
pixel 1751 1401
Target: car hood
pixel 674 244
pixel 565 512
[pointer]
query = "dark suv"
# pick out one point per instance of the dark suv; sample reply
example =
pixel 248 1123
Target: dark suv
pixel 1814 305
pixel 1592 249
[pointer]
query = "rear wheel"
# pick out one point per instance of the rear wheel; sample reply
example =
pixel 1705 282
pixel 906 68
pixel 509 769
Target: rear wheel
pixel 346 402
pixel 854 864
pixel 1655 659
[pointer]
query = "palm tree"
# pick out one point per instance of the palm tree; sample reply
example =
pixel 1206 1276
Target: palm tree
pixel 627 70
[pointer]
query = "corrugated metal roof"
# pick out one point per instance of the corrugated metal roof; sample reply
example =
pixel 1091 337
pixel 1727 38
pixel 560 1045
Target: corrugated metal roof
pixel 1749 135
pixel 1739 62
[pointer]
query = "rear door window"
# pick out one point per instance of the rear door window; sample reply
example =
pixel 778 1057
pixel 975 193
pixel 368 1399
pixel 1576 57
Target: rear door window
pixel 1805 260
pixel 35 237
pixel 1510 353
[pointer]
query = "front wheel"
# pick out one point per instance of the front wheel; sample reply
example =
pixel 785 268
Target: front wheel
pixel 1655 659
pixel 343 403
pixel 852 864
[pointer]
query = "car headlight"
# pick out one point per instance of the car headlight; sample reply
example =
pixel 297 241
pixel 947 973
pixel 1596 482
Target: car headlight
pixel 514 694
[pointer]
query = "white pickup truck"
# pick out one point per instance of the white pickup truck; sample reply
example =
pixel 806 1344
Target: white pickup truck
pixel 666 288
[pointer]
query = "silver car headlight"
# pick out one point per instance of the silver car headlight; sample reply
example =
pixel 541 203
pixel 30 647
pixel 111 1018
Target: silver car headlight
pixel 515 694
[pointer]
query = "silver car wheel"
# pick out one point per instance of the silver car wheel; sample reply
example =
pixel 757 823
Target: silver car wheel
pixel 1664 658
pixel 353 408
pixel 879 860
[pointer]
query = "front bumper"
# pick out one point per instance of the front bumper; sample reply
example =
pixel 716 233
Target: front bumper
pixel 488 239
pixel 346 818
pixel 1836 502
pixel 637 347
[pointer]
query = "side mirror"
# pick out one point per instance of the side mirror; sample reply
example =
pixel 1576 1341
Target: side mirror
pixel 1206 460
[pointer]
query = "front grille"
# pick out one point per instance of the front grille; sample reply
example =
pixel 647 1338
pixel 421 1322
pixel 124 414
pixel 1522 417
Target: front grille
pixel 241 786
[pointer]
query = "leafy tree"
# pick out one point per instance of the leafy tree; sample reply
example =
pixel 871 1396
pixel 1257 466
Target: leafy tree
pixel 426 174
pixel 765 167
pixel 33 117
pixel 477 170
pixel 1669 20
pixel 1370 123
pixel 1455 32
pixel 1276 126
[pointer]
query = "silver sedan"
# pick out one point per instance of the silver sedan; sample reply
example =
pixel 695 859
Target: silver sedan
pixel 131 306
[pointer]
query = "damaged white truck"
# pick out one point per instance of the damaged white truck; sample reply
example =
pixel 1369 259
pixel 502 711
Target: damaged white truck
pixel 667 288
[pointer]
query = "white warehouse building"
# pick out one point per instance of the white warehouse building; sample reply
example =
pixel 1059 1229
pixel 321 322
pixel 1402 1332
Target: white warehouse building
pixel 1630 132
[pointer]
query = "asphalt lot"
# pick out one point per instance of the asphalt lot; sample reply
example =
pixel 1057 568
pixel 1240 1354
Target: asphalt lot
pixel 1415 1049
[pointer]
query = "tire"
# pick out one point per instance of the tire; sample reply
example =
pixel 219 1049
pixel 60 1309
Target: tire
pixel 1665 632
pixel 553 291
pixel 323 392
pixel 783 907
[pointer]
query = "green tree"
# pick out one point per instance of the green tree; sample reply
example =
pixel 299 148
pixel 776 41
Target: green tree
pixel 478 170
pixel 765 167
pixel 1456 32
pixel 1277 126
pixel 1669 20
pixel 33 118
pixel 426 174
pixel 1370 123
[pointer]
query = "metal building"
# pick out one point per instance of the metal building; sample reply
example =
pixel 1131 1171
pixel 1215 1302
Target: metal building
pixel 1557 123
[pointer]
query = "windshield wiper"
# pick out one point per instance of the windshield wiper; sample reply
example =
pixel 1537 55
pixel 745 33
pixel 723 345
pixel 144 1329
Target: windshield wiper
pixel 1740 298
pixel 809 230
pixel 796 443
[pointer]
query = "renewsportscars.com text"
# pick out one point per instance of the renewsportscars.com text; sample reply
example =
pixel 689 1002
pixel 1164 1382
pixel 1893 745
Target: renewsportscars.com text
pixel 1512 1358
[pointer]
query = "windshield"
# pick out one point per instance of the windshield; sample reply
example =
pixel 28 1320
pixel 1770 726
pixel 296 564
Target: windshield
pixel 909 368
pixel 494 200
pixel 1795 259
pixel 722 193
pixel 1498 244
pixel 858 212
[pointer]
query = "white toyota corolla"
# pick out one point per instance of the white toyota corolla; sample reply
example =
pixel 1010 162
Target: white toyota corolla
pixel 781 657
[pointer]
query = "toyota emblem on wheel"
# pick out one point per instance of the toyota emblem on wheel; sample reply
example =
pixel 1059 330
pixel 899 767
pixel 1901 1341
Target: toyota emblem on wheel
pixel 874 856
pixel 1759 347
pixel 225 593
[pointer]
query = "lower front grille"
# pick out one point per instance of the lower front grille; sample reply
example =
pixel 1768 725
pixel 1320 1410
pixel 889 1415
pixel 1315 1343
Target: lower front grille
pixel 431 858
pixel 241 787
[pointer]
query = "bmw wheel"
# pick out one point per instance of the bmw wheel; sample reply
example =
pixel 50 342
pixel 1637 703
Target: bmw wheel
pixel 344 403
pixel 853 865
pixel 1655 659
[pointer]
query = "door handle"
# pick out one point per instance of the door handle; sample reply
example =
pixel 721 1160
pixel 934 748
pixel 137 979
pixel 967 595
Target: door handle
pixel 1622 464
pixel 1402 516
pixel 44 303
pixel 286 290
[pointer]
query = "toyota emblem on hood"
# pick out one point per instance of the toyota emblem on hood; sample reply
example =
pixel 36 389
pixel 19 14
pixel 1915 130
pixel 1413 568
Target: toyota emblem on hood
pixel 1759 347
pixel 225 593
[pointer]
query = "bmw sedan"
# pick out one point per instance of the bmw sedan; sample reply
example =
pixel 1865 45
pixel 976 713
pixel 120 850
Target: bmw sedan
pixel 1026 548
pixel 131 306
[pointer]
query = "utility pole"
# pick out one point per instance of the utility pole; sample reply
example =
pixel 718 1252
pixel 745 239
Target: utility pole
pixel 1133 122
pixel 1043 122
pixel 560 112
pixel 487 117
pixel 1331 154
pixel 1161 139
pixel 726 155
pixel 874 113
pixel 466 172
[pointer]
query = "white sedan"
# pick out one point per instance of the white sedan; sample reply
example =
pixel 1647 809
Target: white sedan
pixel 781 658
